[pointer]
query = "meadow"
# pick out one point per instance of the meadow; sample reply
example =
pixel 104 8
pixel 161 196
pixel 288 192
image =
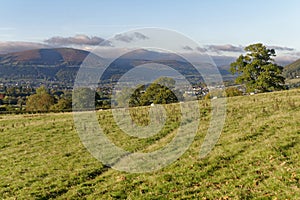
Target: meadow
pixel 256 157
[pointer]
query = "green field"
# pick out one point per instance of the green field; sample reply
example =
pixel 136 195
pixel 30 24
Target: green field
pixel 257 156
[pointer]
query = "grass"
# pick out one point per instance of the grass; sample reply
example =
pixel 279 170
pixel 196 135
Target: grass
pixel 257 156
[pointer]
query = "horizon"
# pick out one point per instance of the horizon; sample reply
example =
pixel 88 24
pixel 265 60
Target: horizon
pixel 218 26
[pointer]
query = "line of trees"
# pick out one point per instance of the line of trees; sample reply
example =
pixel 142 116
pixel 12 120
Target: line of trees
pixel 43 101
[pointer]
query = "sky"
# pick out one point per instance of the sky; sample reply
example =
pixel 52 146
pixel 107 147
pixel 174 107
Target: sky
pixel 209 22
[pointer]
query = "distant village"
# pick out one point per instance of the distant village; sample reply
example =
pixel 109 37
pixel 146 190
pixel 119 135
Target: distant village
pixel 14 95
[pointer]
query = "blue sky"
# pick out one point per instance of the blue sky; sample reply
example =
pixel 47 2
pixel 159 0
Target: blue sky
pixel 207 22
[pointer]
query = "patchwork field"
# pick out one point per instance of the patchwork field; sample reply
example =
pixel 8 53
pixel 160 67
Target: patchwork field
pixel 256 157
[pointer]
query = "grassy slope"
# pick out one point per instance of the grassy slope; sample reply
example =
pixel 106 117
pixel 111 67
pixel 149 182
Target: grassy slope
pixel 257 156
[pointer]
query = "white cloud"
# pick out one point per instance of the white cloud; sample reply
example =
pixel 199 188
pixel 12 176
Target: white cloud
pixel 131 37
pixel 8 47
pixel 76 40
pixel 280 48
pixel 225 48
pixel 188 48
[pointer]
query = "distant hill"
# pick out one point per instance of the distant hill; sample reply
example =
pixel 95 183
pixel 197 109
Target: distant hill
pixel 47 57
pixel 57 64
pixel 62 64
pixel 292 70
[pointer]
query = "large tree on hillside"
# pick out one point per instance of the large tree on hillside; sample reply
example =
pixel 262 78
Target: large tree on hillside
pixel 257 69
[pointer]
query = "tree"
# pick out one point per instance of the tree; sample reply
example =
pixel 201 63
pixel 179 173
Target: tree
pixel 232 92
pixel 41 101
pixel 257 69
pixel 62 104
pixel 136 98
pixel 84 98
pixel 159 92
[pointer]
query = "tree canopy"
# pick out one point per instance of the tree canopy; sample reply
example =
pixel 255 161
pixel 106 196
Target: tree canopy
pixel 257 69
pixel 41 101
pixel 159 92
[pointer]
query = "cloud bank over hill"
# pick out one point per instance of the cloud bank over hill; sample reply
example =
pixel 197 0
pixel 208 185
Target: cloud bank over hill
pixel 10 47
pixel 285 54
pixel 75 40
pixel 219 49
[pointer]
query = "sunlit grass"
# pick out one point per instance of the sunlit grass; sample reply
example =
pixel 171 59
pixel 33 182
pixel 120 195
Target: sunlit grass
pixel 257 156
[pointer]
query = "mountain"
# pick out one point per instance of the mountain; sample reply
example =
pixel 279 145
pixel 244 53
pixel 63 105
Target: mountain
pixel 57 64
pixel 139 57
pixel 292 70
pixel 46 57
pixel 61 65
